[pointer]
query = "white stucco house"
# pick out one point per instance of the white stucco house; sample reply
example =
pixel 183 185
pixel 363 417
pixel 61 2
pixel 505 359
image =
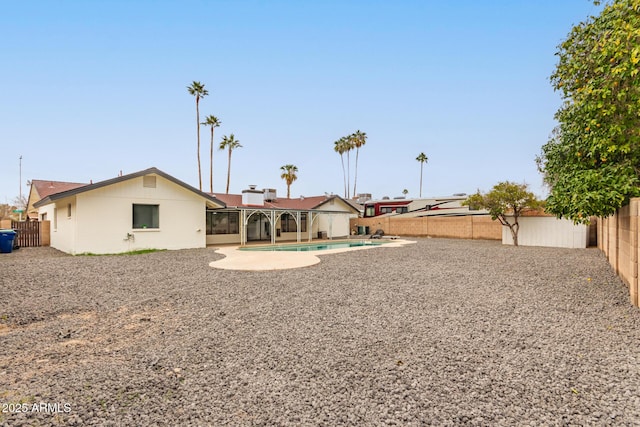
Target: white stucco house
pixel 150 209
pixel 142 210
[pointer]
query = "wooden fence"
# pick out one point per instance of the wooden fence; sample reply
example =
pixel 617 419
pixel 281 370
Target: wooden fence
pixel 28 233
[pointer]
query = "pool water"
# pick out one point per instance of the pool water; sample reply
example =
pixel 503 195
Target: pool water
pixel 313 246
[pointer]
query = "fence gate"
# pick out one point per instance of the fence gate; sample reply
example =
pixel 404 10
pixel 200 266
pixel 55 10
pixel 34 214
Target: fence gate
pixel 28 233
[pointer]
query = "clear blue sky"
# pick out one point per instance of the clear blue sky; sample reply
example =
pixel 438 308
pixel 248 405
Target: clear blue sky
pixel 90 88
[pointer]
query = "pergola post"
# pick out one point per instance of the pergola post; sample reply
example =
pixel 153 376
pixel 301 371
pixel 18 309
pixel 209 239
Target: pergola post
pixel 272 222
pixel 243 229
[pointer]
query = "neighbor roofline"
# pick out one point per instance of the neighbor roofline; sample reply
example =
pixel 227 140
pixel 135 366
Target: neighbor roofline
pixel 335 196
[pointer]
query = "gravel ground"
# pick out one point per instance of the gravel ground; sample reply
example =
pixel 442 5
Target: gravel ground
pixel 443 332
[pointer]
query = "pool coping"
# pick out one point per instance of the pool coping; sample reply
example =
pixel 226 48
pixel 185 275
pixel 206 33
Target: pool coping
pixel 235 259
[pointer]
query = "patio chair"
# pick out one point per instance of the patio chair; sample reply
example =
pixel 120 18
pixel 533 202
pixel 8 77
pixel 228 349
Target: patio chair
pixel 378 234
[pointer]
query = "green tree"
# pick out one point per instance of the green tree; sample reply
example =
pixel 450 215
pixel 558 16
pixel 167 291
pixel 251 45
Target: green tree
pixel 213 122
pixel 505 200
pixel 591 163
pixel 230 143
pixel 197 89
pixel 341 146
pixel 358 139
pixel 422 158
pixel 289 175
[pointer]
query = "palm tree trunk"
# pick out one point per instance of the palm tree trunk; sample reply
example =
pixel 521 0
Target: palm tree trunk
pixel 355 177
pixel 344 175
pixel 348 175
pixel 229 171
pixel 421 166
pixel 288 190
pixel 211 162
pixel 198 129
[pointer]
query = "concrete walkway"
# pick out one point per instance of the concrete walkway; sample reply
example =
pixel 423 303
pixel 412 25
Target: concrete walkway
pixel 235 259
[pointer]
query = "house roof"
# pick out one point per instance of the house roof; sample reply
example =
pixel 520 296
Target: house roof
pixel 47 188
pixel 300 203
pixel 42 188
pixel 355 205
pixel 88 187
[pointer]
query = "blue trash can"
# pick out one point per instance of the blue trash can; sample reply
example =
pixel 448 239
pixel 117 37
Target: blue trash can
pixel 6 241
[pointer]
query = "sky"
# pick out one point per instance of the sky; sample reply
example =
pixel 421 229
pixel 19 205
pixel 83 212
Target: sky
pixel 92 88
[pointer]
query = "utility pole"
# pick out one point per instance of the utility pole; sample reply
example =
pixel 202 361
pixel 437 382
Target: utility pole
pixel 20 194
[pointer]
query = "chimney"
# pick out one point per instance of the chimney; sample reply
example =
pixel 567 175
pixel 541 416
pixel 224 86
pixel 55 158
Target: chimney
pixel 252 196
pixel 269 194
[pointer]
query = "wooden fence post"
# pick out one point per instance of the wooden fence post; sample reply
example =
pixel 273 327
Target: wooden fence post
pixel 45 233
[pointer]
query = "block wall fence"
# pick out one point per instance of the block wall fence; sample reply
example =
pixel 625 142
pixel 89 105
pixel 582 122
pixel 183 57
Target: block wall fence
pixel 618 239
pixel 457 227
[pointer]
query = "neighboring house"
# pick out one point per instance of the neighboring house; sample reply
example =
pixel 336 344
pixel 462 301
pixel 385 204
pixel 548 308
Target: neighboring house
pixel 258 215
pixel 447 205
pixel 41 189
pixel 146 209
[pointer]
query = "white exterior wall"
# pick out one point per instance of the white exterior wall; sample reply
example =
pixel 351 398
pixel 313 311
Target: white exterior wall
pixel 104 216
pixel 548 231
pixel 63 227
pixel 336 225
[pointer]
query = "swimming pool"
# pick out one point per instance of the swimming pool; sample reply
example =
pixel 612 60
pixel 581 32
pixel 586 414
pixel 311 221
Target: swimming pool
pixel 314 246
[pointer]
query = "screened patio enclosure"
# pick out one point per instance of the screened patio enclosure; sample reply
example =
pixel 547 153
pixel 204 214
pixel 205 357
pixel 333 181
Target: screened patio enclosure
pixel 242 225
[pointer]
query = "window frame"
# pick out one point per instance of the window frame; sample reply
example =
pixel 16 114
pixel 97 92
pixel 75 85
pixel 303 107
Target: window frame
pixel 232 226
pixel 288 223
pixel 369 211
pixel 144 226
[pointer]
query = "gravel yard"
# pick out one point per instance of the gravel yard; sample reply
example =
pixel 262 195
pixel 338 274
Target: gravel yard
pixel 442 332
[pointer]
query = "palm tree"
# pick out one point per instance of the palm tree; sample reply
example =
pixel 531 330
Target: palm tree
pixel 340 147
pixel 358 140
pixel 230 143
pixel 197 89
pixel 422 158
pixel 349 145
pixel 289 175
pixel 212 121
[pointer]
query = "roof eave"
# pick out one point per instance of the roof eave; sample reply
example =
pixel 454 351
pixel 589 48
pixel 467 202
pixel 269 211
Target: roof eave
pixel 57 196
